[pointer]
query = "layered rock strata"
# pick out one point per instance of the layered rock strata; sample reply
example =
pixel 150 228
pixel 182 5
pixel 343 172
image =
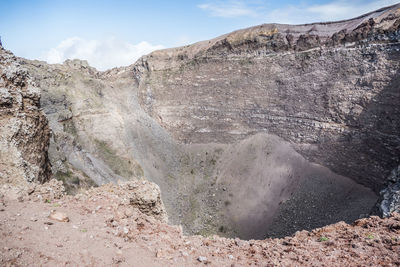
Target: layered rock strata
pixel 24 131
pixel 331 89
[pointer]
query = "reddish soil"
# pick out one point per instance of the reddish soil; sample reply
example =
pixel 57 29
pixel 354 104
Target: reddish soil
pixel 103 230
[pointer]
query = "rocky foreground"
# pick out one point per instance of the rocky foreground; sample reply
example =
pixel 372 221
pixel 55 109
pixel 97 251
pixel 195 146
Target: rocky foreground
pixel 124 225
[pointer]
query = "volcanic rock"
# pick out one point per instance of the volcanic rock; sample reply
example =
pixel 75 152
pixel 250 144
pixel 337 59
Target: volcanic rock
pixel 59 216
pixel 24 131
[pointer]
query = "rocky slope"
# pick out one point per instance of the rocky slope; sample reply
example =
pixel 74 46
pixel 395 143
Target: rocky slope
pixel 24 132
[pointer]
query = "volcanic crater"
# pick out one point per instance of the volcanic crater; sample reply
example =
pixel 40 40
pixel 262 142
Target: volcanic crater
pixel 258 133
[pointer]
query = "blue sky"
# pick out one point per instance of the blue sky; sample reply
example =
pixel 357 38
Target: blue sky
pixel 111 33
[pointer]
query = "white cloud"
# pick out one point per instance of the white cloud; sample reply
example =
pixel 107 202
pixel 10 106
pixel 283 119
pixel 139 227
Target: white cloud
pixel 229 9
pixel 103 54
pixel 294 14
pixel 335 10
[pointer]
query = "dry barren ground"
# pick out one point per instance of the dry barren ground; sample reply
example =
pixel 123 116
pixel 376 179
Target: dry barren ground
pixel 104 229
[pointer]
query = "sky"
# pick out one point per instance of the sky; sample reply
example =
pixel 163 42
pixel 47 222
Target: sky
pixel 111 33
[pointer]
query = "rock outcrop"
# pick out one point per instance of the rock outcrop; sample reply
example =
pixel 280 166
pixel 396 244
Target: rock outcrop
pixel 24 131
pixel 135 194
pixel 389 201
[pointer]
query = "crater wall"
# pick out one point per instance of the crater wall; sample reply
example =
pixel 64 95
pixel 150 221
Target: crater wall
pixel 331 89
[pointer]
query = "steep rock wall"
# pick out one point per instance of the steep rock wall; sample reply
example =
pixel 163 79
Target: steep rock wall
pixel 331 89
pixel 24 131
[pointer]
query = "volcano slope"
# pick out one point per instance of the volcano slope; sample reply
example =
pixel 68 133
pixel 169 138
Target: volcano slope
pixel 260 132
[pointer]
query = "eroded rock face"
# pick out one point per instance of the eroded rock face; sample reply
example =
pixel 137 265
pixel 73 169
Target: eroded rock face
pixel 136 194
pixel 331 89
pixel 24 132
pixel 389 201
pixel 83 109
pixel 145 196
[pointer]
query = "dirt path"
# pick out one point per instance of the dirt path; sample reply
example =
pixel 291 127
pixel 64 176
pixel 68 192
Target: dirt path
pixel 28 239
pixel 103 231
